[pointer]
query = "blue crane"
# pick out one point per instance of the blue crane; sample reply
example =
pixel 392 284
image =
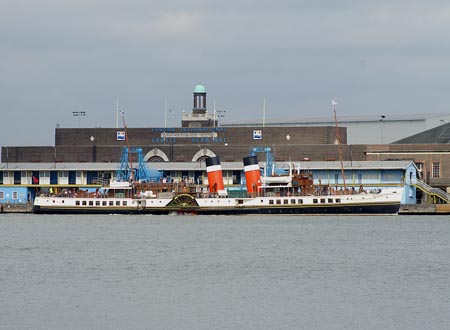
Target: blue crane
pixel 269 158
pixel 126 172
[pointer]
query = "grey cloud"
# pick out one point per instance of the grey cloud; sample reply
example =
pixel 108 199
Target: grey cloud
pixel 58 56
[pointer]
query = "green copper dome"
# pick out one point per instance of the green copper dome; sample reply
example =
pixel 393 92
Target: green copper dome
pixel 199 89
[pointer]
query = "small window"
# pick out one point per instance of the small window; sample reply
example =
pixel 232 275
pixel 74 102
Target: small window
pixel 84 203
pixel 292 201
pixel 322 200
pixel 111 203
pixel 285 201
pixel 278 201
pixel 330 200
pixel 125 203
pixel 300 201
pixel 271 201
pixel 104 203
pixel 338 200
pixel 2 195
pixel 315 201
pixel 91 203
pixel 97 203
pixel 117 203
pixel 436 170
pixel 77 203
pixel 15 195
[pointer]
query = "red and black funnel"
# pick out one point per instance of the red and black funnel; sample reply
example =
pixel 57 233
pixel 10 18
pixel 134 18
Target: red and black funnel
pixel 214 171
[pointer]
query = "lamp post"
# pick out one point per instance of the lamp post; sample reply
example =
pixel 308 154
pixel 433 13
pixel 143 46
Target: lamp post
pixel 382 117
pixel 79 114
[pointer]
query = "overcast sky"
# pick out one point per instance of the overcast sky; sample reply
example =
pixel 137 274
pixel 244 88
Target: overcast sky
pixel 61 56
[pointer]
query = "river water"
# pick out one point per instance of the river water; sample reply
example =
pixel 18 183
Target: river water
pixel 224 272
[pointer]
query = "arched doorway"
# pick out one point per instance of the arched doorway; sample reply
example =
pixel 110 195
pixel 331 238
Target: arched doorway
pixel 156 155
pixel 202 154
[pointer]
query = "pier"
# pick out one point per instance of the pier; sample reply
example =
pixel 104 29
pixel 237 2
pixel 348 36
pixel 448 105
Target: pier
pixel 16 208
pixel 416 209
pixel 424 209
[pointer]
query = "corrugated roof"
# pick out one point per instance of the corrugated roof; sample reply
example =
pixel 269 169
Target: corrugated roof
pixel 330 119
pixel 440 134
pixel 355 165
pixel 195 166
pixel 59 166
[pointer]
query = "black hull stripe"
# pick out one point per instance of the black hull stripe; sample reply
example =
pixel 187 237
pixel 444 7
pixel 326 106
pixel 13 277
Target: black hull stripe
pixel 341 209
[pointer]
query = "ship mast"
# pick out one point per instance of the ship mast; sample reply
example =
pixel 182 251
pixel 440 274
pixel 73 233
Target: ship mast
pixel 128 146
pixel 334 103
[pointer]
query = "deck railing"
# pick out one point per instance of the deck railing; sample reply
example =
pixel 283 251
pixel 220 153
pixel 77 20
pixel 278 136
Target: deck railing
pixel 102 181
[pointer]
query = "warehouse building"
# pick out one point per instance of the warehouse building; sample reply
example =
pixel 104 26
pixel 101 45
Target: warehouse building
pixel 200 136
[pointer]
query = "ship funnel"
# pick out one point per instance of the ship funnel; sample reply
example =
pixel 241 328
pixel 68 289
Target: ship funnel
pixel 214 171
pixel 252 174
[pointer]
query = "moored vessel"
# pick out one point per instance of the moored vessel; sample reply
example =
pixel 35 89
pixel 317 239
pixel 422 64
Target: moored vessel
pixel 292 192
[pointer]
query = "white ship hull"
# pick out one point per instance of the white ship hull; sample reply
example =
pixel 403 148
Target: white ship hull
pixel 387 201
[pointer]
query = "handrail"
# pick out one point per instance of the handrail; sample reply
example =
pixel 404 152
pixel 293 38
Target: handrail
pixel 431 190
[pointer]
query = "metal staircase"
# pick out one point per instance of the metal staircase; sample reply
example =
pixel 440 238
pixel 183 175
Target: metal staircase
pixel 430 191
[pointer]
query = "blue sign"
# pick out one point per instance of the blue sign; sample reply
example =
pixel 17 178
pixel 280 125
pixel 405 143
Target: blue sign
pixel 121 136
pixel 257 135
